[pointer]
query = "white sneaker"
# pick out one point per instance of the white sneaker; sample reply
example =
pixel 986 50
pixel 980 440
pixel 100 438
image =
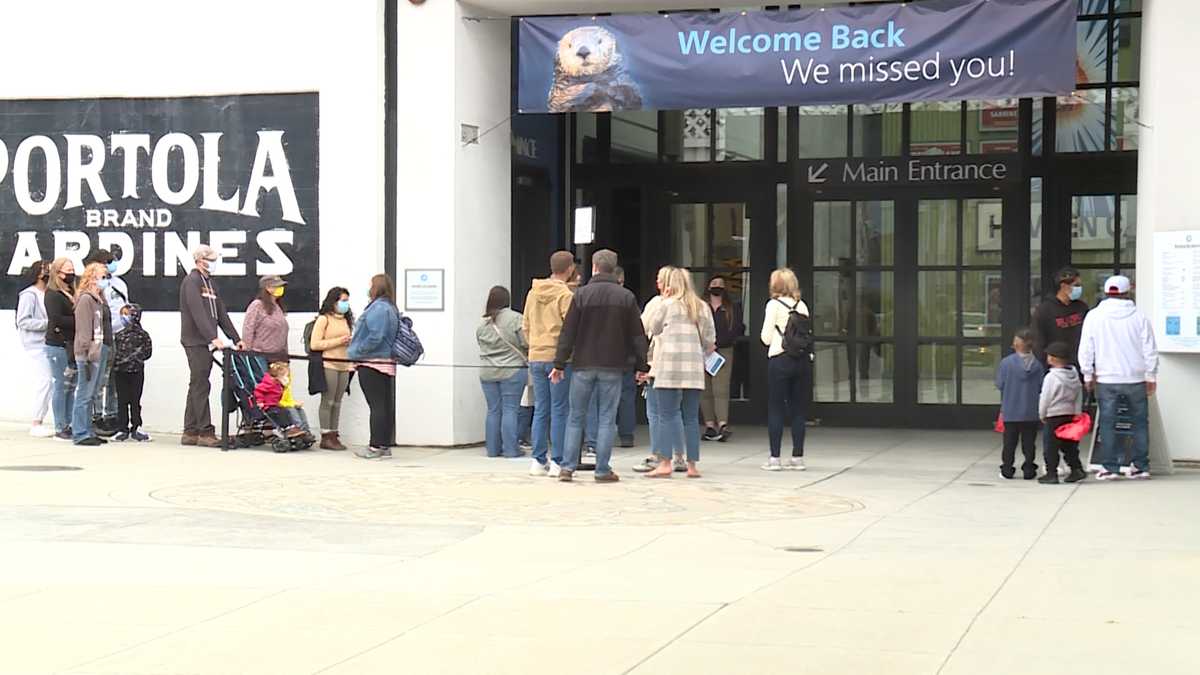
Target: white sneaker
pixel 41 431
pixel 589 457
pixel 796 464
pixel 772 465
pixel 538 469
pixel 554 470
pixel 1138 474
pixel 1105 474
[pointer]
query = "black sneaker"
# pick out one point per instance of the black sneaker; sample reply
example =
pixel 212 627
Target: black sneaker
pixel 64 435
pixel 104 430
pixel 725 434
pixel 1008 473
pixel 710 434
pixel 121 437
pixel 1075 476
pixel 90 441
pixel 1051 478
pixel 1030 474
pixel 626 442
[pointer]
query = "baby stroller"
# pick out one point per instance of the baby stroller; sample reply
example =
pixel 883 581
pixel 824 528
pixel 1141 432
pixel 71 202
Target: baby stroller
pixel 257 426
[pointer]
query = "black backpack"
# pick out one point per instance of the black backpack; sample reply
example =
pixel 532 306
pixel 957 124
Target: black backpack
pixel 798 335
pixel 308 330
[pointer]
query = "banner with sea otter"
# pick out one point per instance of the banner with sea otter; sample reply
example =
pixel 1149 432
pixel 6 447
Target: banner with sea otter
pixel 151 178
pixel 937 50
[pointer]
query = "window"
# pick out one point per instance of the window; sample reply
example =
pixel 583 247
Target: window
pixel 1102 114
pixel 1103 239
pixel 854 301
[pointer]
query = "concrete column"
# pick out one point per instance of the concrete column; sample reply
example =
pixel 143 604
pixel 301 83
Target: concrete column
pixel 1167 200
pixel 453 205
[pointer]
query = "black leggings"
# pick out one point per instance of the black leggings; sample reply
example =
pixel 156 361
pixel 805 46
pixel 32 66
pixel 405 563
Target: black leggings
pixel 378 390
pixel 789 390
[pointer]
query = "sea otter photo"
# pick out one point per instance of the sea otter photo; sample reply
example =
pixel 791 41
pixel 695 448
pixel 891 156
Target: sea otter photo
pixel 590 75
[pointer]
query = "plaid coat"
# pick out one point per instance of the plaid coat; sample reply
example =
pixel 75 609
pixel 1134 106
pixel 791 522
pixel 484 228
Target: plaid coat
pixel 680 345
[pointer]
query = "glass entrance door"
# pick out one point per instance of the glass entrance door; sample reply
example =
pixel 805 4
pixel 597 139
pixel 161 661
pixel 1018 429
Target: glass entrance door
pixel 732 233
pixel 906 296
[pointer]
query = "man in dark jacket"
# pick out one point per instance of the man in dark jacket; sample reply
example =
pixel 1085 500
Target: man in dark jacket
pixel 201 313
pixel 601 336
pixel 1060 317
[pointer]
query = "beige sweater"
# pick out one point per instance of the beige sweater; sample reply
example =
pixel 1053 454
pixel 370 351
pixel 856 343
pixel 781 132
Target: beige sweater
pixel 327 335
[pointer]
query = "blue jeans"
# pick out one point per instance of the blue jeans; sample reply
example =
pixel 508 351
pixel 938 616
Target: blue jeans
pixel 524 423
pixel 678 426
pixel 503 403
pixel 607 385
pixel 87 383
pixel 62 397
pixel 626 413
pixel 1107 396
pixel 550 408
pixel 107 393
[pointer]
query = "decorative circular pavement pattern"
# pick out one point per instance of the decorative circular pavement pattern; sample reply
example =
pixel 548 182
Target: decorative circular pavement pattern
pixel 428 498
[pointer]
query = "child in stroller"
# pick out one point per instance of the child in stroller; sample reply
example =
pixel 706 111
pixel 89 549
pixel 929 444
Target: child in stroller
pixel 274 397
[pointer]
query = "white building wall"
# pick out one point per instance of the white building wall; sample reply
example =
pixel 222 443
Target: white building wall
pixel 454 205
pixel 130 48
pixel 1167 182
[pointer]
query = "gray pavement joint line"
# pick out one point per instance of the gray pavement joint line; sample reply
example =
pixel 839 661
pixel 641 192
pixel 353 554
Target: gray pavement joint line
pixel 1007 577
pixel 176 631
pixel 855 465
pixel 533 582
pixel 397 636
pixel 675 639
pixel 848 542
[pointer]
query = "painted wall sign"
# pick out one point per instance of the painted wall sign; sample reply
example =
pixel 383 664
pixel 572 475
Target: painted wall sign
pixel 946 50
pixel 912 171
pixel 150 178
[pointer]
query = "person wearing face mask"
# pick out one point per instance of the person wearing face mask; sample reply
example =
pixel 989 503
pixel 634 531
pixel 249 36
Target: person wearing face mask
pixel 714 402
pixel 90 351
pixel 31 323
pixel 132 348
pixel 60 341
pixel 1060 317
pixel 113 298
pixel 201 313
pixel 265 327
pixel 331 335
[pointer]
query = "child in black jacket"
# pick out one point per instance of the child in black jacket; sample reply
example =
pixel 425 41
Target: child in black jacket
pixel 132 348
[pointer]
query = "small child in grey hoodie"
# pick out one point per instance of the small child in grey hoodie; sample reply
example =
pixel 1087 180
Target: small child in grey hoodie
pixel 1019 379
pixel 1060 402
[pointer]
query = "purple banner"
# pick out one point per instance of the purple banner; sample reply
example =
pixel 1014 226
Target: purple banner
pixel 939 50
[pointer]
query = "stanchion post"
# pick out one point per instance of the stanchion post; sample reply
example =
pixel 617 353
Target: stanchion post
pixel 226 387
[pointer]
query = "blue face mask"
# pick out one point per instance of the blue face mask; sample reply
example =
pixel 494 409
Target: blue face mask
pixel 1076 292
pixel 103 284
pixel 343 306
pixel 112 267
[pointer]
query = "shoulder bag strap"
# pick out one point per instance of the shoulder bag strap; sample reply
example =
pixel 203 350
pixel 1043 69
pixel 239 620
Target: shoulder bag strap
pixel 511 346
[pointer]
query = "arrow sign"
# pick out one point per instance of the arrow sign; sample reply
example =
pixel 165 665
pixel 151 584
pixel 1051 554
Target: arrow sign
pixel 816 174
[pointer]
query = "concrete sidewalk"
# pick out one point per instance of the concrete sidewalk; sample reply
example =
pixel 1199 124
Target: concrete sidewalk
pixel 896 552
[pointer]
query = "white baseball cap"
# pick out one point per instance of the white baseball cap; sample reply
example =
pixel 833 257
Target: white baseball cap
pixel 1117 285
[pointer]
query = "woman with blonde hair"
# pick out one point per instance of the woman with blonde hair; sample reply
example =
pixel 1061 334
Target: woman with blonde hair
pixel 683 328
pixel 660 284
pixel 89 350
pixel 60 343
pixel 789 369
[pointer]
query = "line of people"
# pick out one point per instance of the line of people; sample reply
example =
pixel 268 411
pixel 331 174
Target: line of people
pixel 577 355
pixel 1108 350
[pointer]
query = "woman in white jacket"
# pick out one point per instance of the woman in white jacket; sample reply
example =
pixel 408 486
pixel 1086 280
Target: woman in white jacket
pixel 31 327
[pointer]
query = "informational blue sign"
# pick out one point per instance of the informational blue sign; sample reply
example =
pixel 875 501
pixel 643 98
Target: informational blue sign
pixel 941 50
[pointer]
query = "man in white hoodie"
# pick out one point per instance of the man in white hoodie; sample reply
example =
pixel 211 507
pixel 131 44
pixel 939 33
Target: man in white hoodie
pixel 1119 358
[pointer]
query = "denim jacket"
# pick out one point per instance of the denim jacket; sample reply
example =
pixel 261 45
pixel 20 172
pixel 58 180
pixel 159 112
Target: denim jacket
pixel 374 332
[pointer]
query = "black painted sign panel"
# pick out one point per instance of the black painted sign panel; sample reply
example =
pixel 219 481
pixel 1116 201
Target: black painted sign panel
pixel 150 178
pixel 902 171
